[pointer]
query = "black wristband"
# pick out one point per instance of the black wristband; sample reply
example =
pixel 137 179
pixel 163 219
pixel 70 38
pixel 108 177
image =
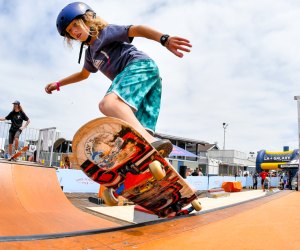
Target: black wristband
pixel 164 39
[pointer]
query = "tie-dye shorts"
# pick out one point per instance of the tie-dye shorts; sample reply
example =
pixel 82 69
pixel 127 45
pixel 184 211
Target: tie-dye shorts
pixel 139 85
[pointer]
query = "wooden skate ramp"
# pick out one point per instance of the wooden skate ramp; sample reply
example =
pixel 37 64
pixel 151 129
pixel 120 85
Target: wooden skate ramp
pixel 266 223
pixel 30 206
pixel 32 202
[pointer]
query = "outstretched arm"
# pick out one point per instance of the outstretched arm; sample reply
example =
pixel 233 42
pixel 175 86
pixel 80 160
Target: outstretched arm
pixel 79 76
pixel 26 124
pixel 2 119
pixel 174 44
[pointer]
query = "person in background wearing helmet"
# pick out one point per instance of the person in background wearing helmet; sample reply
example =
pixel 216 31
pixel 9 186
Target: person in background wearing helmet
pixel 17 116
pixel 135 93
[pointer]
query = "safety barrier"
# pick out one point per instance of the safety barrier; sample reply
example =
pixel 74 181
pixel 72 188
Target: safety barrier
pixel 209 182
pixel 40 142
pixel 73 180
pixel 29 136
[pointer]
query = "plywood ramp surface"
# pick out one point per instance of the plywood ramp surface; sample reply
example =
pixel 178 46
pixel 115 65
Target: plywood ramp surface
pixel 32 202
pixel 267 223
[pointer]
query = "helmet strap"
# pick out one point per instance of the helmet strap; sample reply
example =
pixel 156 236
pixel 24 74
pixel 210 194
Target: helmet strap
pixel 80 52
pixel 87 41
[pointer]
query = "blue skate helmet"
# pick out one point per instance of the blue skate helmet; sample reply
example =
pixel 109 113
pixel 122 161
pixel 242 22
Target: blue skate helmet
pixel 69 13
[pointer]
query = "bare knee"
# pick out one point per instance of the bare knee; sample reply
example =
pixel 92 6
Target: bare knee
pixel 107 104
pixel 101 106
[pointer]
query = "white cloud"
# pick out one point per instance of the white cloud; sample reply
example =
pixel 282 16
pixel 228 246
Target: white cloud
pixel 244 68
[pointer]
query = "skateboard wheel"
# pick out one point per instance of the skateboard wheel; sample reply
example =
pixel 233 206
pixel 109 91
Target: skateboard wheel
pixel 109 198
pixel 157 170
pixel 196 205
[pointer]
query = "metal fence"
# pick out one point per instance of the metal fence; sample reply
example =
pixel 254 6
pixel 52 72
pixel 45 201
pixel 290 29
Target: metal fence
pixel 29 136
pixel 39 141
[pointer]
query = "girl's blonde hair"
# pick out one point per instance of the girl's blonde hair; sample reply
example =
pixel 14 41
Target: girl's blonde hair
pixel 96 24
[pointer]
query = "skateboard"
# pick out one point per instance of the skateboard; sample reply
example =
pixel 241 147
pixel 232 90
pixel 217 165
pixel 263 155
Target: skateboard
pixel 19 153
pixel 115 155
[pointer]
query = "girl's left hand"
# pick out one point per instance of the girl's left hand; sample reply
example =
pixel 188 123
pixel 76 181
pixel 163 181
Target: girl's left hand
pixel 176 44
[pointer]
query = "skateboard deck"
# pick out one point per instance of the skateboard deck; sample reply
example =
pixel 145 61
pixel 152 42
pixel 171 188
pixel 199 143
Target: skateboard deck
pixel 113 154
pixel 19 153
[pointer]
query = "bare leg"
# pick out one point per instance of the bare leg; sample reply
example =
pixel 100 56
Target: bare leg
pixel 16 143
pixel 113 106
pixel 10 149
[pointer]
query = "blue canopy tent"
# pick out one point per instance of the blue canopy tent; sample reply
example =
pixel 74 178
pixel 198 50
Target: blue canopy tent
pixel 177 151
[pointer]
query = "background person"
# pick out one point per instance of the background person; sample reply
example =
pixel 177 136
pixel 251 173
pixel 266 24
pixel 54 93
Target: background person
pixel 200 172
pixel 189 171
pixel 255 176
pixel 266 185
pixel 2 153
pixel 17 116
pixel 66 162
pixel 289 186
pixel 263 175
pixel 196 172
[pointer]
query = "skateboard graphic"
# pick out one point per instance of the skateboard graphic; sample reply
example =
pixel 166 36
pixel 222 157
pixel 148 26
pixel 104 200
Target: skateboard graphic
pixel 113 154
pixel 19 153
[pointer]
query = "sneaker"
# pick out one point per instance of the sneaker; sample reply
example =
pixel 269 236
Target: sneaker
pixel 164 147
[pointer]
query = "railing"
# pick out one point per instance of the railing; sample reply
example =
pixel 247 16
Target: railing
pixel 40 142
pixel 29 136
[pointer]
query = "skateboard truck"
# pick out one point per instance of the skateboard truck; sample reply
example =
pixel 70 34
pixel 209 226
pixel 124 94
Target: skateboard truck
pixel 185 211
pixel 129 168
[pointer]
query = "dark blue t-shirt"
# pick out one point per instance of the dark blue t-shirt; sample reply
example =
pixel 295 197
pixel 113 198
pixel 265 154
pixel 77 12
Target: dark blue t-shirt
pixel 112 51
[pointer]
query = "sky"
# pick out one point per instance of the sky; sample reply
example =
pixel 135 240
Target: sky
pixel 243 69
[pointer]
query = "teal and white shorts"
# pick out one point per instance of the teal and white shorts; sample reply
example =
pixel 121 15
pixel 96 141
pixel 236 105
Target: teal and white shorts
pixel 139 85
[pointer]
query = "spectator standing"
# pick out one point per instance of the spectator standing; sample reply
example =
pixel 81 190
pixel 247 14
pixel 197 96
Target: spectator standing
pixel 255 176
pixel 266 185
pixel 200 172
pixel 2 153
pixel 196 172
pixel 290 179
pixel 188 172
pixel 66 163
pixel 263 176
pixel 17 116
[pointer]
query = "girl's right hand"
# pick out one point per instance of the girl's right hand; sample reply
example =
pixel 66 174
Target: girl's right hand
pixel 50 87
pixel 178 44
